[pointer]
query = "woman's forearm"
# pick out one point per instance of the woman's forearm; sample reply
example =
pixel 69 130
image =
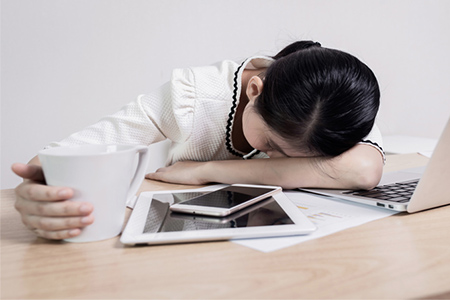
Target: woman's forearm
pixel 358 168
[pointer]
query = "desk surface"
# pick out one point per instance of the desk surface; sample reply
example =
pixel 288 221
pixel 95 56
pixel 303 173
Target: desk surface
pixel 402 256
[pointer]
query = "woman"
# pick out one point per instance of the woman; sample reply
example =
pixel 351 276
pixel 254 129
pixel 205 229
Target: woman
pixel 303 118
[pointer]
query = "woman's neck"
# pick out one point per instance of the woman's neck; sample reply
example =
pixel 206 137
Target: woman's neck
pixel 237 136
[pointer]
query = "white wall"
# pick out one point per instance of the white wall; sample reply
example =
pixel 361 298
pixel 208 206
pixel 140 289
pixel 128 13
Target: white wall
pixel 66 63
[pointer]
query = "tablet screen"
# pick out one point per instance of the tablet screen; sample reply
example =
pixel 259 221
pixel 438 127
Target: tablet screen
pixel 161 219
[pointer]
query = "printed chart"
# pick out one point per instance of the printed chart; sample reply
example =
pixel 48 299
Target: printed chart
pixel 320 216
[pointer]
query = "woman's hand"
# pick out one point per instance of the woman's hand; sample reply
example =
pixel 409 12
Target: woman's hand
pixel 45 209
pixel 182 172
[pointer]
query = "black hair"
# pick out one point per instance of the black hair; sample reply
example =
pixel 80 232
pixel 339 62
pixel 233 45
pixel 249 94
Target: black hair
pixel 320 100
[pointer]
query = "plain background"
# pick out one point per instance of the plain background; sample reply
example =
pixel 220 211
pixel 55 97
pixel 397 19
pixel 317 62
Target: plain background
pixel 66 63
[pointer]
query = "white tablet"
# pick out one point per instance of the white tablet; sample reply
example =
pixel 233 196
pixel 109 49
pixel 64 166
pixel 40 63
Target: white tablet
pixel 152 221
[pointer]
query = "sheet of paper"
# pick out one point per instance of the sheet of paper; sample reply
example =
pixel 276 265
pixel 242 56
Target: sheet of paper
pixel 426 153
pixel 328 215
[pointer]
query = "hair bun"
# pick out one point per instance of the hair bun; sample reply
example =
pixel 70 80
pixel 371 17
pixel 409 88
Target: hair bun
pixel 297 46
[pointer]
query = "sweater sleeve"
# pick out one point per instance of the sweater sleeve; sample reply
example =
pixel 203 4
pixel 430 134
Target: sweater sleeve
pixel 164 113
pixel 375 140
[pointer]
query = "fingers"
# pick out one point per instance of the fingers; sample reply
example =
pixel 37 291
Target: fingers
pixel 57 235
pixel 53 209
pixel 49 224
pixel 46 210
pixel 180 172
pixel 32 172
pixel 151 176
pixel 157 175
pixel 54 219
pixel 57 227
pixel 39 192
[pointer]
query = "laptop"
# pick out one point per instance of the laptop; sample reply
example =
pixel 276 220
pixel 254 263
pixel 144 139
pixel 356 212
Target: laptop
pixel 410 190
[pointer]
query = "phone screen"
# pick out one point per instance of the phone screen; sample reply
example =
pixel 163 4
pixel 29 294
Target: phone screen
pixel 228 197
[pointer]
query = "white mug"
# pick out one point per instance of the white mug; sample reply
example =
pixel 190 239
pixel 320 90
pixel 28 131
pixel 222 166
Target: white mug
pixel 104 175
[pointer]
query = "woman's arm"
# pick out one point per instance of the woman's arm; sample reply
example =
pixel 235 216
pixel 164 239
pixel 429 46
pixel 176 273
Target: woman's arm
pixel 359 168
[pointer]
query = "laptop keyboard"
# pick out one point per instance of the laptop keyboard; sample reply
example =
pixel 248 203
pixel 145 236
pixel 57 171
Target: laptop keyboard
pixel 398 192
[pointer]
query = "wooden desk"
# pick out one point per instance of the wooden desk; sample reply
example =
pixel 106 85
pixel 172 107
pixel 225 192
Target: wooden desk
pixel 403 256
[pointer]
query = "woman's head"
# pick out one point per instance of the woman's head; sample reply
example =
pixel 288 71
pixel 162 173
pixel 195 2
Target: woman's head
pixel 320 101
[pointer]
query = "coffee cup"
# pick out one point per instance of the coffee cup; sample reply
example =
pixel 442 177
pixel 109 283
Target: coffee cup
pixel 106 176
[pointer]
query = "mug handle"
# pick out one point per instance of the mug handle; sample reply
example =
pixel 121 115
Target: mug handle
pixel 144 157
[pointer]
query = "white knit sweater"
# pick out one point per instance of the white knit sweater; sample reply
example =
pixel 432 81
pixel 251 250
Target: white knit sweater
pixel 194 110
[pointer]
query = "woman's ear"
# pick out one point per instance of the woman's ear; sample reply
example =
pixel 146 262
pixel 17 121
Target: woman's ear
pixel 254 87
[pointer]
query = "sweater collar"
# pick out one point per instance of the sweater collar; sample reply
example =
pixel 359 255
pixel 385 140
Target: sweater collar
pixel 250 63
